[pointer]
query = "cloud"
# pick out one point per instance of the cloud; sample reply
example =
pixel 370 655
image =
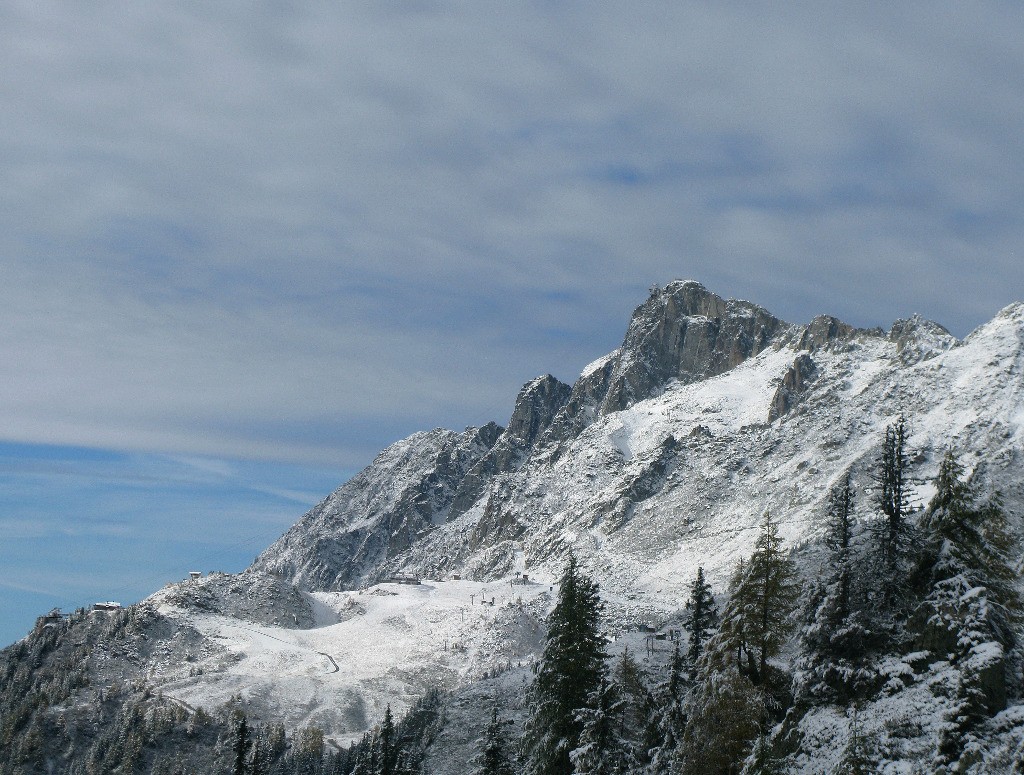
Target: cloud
pixel 301 231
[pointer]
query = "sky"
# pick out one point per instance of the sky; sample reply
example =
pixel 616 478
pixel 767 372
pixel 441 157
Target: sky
pixel 243 248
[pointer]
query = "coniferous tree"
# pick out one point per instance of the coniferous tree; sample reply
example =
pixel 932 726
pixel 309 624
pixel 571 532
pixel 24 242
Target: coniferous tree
pixel 768 595
pixel 602 749
pixel 856 759
pixel 762 759
pixel 386 745
pixel 668 721
pixel 892 480
pixel 570 669
pixel 637 704
pixel 723 720
pixel 240 746
pixel 839 540
pixel 730 645
pixel 973 542
pixel 701 618
pixel 971 606
pixel 492 757
pixel 835 639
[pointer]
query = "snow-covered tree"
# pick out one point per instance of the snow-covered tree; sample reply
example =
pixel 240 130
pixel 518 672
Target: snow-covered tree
pixel 894 533
pixel 637 704
pixel 724 719
pixel 835 638
pixel 730 645
pixel 603 748
pixel 571 667
pixel 856 759
pixel 972 604
pixel 386 745
pixel 492 751
pixel 240 745
pixel 668 721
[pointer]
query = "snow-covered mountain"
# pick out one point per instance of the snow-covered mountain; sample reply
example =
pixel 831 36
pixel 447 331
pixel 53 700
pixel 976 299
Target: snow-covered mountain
pixel 665 453
pixel 661 457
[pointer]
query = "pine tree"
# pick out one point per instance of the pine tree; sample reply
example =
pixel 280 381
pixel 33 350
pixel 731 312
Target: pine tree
pixel 667 722
pixel 968 710
pixel 856 759
pixel 839 540
pixel 762 759
pixel 387 752
pixel 637 703
pixel 492 757
pixel 952 492
pixel 309 753
pixel 971 607
pixel 973 540
pixel 570 669
pixel 701 618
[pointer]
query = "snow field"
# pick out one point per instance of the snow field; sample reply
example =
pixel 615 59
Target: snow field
pixel 395 640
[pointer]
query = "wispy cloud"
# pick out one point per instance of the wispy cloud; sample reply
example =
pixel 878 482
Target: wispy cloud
pixel 81 525
pixel 301 231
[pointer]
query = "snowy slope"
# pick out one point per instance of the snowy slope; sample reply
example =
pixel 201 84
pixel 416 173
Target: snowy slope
pixel 369 648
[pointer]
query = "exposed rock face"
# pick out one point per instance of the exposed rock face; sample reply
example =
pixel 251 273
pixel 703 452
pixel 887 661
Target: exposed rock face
pixel 581 409
pixel 688 334
pixel 538 402
pixel 536 406
pixel 683 332
pixel 918 339
pixel 442 501
pixel 827 331
pixel 408 490
pixel 250 596
pixel 803 372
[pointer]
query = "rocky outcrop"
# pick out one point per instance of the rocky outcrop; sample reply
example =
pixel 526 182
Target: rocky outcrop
pixel 536 406
pixel 685 333
pixel 826 331
pixel 380 513
pixel 251 596
pixel 797 379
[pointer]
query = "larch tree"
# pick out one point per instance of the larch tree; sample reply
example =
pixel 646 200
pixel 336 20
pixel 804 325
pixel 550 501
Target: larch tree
pixel 768 596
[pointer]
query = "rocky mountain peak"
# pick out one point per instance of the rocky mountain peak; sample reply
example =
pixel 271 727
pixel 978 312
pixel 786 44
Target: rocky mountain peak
pixel 919 339
pixel 682 332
